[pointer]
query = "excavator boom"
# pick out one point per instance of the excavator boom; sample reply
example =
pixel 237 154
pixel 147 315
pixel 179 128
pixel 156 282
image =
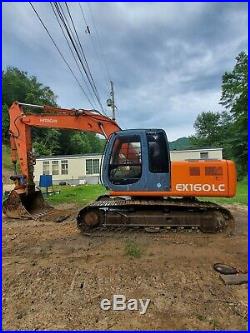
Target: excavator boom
pixel 26 200
pixel 21 123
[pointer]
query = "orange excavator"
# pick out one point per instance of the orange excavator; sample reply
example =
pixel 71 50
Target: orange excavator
pixel 146 188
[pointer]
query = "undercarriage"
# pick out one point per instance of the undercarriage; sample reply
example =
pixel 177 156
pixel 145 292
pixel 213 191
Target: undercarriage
pixel 166 213
pixel 126 212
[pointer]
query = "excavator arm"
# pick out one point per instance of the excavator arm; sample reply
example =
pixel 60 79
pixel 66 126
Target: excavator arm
pixel 26 201
pixel 21 123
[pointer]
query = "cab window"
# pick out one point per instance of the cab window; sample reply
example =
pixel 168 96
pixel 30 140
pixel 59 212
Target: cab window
pixel 125 163
pixel 158 153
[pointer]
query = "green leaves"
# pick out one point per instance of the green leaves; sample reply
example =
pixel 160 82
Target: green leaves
pixel 235 99
pixel 229 128
pixel 74 142
pixel 235 87
pixel 5 122
pixel 19 86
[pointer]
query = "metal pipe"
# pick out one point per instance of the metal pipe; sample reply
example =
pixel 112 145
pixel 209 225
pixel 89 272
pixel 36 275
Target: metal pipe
pixel 101 127
pixel 31 105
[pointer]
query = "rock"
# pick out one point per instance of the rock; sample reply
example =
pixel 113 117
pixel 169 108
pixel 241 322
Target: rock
pixel 61 218
pixel 152 229
pixel 19 315
pixel 234 278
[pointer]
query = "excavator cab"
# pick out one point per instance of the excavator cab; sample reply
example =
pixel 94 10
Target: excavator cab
pixel 137 160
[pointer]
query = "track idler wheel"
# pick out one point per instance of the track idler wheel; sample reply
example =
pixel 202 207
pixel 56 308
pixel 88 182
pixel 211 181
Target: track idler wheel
pixel 221 220
pixel 88 220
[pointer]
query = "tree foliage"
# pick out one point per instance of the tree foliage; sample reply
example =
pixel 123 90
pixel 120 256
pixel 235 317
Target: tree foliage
pixel 229 128
pixel 235 99
pixel 17 85
pixel 207 128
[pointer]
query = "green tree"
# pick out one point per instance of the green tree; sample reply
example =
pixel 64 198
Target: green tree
pixel 47 144
pixel 235 99
pixel 207 130
pixel 213 130
pixel 17 85
pixel 229 128
pixel 80 143
pixel 5 122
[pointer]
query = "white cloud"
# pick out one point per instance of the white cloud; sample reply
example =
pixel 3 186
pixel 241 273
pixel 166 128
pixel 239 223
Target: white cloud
pixel 166 59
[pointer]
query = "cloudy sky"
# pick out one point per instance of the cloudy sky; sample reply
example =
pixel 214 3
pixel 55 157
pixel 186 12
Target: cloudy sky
pixel 166 59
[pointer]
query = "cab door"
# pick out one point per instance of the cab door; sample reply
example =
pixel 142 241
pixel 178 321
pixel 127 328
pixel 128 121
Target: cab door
pixel 136 160
pixel 158 158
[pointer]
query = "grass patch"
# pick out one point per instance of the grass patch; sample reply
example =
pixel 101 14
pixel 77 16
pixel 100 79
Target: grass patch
pixel 240 198
pixel 132 249
pixel 6 157
pixel 7 164
pixel 81 194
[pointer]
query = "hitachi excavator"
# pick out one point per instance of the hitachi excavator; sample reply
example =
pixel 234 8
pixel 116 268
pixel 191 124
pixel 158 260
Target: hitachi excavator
pixel 146 188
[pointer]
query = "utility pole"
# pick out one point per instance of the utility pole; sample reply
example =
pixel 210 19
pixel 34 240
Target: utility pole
pixel 111 101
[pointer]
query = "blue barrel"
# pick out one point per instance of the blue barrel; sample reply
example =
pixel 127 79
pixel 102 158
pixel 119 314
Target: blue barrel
pixel 45 181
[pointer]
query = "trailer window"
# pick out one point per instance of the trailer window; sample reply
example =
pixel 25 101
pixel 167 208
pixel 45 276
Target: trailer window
pixel 204 155
pixel 125 162
pixel 45 167
pixel 158 154
pixel 64 167
pixel 55 167
pixel 92 166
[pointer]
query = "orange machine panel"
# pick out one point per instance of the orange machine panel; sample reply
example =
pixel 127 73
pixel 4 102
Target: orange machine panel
pixel 209 178
pixel 196 178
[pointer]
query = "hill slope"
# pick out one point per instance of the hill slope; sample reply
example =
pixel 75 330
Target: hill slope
pixel 180 144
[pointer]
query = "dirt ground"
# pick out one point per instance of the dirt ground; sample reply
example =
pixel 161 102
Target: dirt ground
pixel 54 278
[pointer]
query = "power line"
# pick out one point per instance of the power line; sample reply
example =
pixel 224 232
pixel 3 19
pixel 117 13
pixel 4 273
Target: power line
pixel 59 51
pixel 81 47
pixel 71 36
pixel 77 64
pixel 77 46
pixel 83 13
pixel 67 23
pixel 55 13
pixel 99 41
pixel 96 51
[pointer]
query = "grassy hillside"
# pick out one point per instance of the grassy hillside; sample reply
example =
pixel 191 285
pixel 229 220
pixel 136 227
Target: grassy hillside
pixel 180 144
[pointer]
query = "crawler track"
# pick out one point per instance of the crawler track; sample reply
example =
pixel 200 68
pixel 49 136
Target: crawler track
pixel 177 214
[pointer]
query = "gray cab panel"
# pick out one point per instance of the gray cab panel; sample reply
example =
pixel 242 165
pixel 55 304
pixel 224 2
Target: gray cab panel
pixel 137 160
